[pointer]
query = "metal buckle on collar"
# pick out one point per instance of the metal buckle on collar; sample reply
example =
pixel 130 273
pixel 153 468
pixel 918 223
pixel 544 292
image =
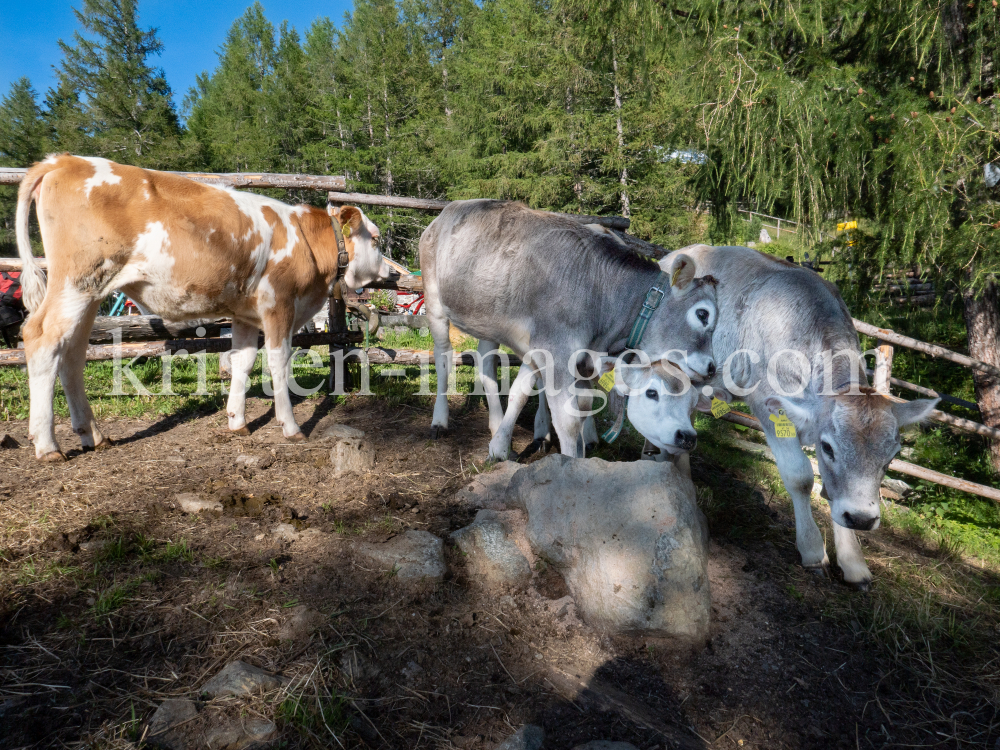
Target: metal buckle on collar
pixel 646 302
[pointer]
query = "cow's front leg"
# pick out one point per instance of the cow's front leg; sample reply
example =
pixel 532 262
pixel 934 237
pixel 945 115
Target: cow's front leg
pixel 241 360
pixel 488 360
pixel 279 358
pixel 797 475
pixel 851 559
pixel 565 408
pixel 520 390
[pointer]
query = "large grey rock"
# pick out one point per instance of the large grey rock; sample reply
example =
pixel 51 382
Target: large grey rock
pixel 240 678
pixel 628 538
pixel 606 745
pixel 412 556
pixel 350 451
pixel 491 555
pixel 489 490
pixel 528 737
pixel 167 726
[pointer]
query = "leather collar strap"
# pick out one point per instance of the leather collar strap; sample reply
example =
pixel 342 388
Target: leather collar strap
pixel 653 299
pixel 342 257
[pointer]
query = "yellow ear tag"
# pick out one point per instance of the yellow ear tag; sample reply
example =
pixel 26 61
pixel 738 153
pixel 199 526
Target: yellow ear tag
pixel 346 229
pixel 607 381
pixel 783 426
pixel 675 274
pixel 719 408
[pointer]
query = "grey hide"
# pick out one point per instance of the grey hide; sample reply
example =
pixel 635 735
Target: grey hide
pixel 788 316
pixel 549 287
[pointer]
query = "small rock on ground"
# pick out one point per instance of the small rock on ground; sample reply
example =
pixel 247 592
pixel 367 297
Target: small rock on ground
pixel 301 624
pixel 528 737
pixel 240 678
pixel 192 502
pixel 413 555
pixel 351 452
pixel 166 726
pixel 285 532
pixel 236 735
pixel 491 555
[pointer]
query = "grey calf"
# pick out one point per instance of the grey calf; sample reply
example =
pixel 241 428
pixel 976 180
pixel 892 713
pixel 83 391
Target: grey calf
pixel 548 288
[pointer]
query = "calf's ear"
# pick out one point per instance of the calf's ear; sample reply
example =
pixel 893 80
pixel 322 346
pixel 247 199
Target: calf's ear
pixel 350 217
pixel 911 412
pixel 705 402
pixel 681 272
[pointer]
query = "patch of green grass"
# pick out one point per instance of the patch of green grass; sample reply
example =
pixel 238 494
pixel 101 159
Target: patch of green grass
pixel 177 551
pixel 310 715
pixel 34 571
pixel 113 597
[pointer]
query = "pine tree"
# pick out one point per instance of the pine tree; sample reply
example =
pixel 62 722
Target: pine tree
pixel 231 110
pixel 125 104
pixel 24 139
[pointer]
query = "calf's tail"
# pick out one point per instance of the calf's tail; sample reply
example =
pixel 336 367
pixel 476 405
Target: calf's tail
pixel 32 276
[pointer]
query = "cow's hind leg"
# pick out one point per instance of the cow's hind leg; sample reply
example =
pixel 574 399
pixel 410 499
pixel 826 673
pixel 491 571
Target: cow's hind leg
pixel 47 336
pixel 851 559
pixel 442 366
pixel 797 475
pixel 241 360
pixel 71 374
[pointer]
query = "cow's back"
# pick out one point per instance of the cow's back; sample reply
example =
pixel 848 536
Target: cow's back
pixel 767 304
pixel 493 260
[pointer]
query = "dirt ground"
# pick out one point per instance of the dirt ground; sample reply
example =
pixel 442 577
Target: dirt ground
pixel 113 600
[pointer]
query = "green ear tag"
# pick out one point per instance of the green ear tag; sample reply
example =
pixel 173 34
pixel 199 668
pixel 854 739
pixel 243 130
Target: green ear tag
pixel 607 381
pixel 346 229
pixel 783 426
pixel 719 408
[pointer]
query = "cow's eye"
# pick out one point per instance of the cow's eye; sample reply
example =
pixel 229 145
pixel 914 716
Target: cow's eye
pixel 651 393
pixel 827 449
pixel 702 314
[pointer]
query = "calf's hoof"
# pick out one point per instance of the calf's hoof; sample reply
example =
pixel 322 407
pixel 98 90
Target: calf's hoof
pixel 438 432
pixel 865 584
pixel 298 437
pixel 240 431
pixel 104 444
pixel 52 458
pixel 822 570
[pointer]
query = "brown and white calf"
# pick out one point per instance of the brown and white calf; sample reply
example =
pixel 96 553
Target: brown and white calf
pixel 184 250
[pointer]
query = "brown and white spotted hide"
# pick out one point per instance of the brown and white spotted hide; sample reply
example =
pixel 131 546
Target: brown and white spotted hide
pixel 183 250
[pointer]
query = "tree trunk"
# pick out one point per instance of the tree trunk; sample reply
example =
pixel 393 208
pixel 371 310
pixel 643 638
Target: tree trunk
pixel 982 320
pixel 621 133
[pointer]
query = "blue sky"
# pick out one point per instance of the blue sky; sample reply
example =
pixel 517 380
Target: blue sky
pixel 192 33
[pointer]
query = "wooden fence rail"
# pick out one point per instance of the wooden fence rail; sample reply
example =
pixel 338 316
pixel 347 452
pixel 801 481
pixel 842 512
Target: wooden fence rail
pixel 13 175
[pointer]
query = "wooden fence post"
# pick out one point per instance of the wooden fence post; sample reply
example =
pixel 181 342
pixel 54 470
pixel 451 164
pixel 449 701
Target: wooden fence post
pixel 883 366
pixel 338 324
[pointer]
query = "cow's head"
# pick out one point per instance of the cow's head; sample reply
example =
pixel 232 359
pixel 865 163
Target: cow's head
pixel 856 436
pixel 680 330
pixel 661 402
pixel 361 238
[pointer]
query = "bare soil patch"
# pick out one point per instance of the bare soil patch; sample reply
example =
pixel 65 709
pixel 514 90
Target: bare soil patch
pixel 114 600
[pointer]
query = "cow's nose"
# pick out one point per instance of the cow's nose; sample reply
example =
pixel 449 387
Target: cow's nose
pixel 859 521
pixel 685 440
pixel 711 369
